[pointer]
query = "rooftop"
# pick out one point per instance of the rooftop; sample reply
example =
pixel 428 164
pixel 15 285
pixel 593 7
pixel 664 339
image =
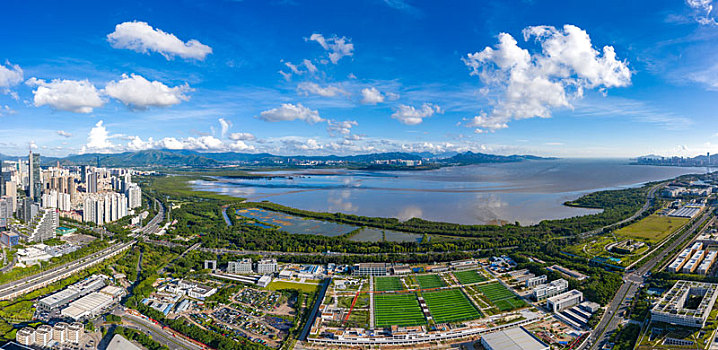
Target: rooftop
pixel 514 339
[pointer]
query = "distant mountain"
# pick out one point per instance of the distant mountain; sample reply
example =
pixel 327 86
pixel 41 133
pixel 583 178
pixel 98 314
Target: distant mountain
pixel 182 158
pixel 479 158
pixel 163 158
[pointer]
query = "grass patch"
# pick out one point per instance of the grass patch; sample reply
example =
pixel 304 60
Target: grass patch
pixel 653 228
pixel 384 284
pixel 450 305
pixel 469 277
pixel 281 285
pixel 429 281
pixel 501 297
pixel 397 309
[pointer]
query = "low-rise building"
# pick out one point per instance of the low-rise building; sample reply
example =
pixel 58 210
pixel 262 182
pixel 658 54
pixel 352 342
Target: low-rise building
pixel 544 291
pixel 687 303
pixel 564 301
pixel 266 266
pixel 535 281
pixel 371 269
pixel 242 266
pixel 512 339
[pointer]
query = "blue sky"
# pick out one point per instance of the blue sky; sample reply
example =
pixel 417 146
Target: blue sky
pixel 577 79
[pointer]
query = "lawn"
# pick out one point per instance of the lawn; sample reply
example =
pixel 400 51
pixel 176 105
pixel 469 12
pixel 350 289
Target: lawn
pixel 501 297
pixel 397 309
pixel 384 284
pixel 450 305
pixel 429 281
pixel 280 285
pixel 653 228
pixel 469 277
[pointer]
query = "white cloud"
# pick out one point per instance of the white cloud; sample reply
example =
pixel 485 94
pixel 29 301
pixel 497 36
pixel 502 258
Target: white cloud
pixel 242 136
pixel 226 124
pixel 294 68
pixel 141 37
pixel 410 115
pixel 98 140
pixel 78 96
pixel 64 133
pixel 6 110
pixel 337 47
pixel 137 92
pixel 285 75
pixel 531 85
pixel 309 88
pixel 290 112
pixel 702 11
pixel 10 75
pixel 310 66
pixel 371 96
pixel 336 127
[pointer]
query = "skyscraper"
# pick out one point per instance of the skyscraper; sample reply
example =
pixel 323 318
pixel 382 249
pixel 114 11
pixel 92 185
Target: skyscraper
pixel 35 182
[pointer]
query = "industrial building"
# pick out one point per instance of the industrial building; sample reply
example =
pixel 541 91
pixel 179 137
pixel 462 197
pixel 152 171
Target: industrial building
pixel 564 301
pixel 687 211
pixel 88 306
pixel 65 296
pixel 512 339
pixel 544 291
pixel 674 309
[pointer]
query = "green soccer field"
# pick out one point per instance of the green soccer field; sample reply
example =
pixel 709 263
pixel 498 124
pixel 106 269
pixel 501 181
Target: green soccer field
pixel 397 309
pixel 384 284
pixel 501 297
pixel 429 281
pixel 469 277
pixel 450 305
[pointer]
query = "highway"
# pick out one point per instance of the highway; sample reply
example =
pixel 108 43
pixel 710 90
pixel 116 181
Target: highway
pixel 156 331
pixel 631 282
pixel 39 280
pixel 30 283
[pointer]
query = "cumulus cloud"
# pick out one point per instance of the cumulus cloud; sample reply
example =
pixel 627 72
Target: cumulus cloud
pixel 371 96
pixel 531 85
pixel 99 139
pixel 78 96
pixel 336 46
pixel 64 133
pixel 141 37
pixel 411 115
pixel 290 112
pixel 137 92
pixel 336 127
pixel 309 88
pixel 241 136
pixel 10 75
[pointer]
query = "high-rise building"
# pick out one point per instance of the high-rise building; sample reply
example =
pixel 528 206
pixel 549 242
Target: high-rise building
pixel 6 210
pixel 34 187
pixel 134 196
pixel 92 182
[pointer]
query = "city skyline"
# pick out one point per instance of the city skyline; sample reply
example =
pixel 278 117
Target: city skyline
pixel 322 78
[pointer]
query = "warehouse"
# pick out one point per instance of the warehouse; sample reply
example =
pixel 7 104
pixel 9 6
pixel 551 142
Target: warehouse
pixel 512 339
pixel 57 300
pixel 90 305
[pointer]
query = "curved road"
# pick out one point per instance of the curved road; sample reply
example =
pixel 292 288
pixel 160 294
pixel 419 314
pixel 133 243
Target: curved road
pixel 646 206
